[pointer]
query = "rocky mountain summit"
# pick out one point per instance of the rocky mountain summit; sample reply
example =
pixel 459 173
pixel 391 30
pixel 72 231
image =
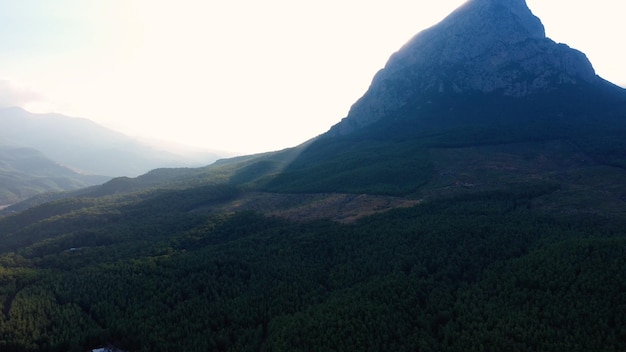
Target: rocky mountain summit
pixel 485 46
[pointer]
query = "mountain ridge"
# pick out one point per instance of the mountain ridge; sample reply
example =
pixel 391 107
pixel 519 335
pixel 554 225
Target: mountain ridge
pixel 365 155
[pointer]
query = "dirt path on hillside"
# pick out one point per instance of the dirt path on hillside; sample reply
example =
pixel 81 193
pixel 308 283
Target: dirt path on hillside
pixel 341 207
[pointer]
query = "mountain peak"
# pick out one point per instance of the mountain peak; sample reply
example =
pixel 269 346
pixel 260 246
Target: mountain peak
pixel 476 28
pixel 484 46
pixel 508 20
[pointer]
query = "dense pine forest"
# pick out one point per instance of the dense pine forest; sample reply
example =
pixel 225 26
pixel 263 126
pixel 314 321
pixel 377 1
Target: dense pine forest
pixel 145 272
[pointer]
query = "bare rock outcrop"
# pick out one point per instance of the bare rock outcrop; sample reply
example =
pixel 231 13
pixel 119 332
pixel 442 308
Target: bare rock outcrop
pixel 488 46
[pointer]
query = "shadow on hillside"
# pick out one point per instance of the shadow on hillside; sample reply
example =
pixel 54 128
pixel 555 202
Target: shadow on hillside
pixel 393 157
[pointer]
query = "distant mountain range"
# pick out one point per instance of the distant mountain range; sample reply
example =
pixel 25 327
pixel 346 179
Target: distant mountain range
pixel 473 199
pixel 26 172
pixel 53 152
pixel 86 146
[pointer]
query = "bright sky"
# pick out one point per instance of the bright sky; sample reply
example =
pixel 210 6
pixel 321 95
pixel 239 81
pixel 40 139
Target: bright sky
pixel 239 75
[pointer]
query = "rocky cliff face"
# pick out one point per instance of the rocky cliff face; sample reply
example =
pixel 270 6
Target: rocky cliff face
pixel 488 46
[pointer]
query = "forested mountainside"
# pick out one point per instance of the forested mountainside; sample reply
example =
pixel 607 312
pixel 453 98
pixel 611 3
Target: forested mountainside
pixel 150 273
pixel 473 200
